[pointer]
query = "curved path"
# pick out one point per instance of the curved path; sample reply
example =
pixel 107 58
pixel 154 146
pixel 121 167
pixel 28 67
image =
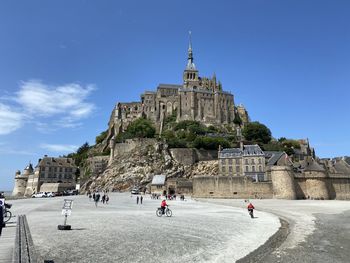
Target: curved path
pixel 125 232
pixel 319 230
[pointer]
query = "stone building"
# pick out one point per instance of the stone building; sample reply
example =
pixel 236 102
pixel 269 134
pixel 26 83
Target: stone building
pixel 246 161
pixel 95 166
pixel 316 180
pixel 158 184
pixel 197 98
pixel 49 175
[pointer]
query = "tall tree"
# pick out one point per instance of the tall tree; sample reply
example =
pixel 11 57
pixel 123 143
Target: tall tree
pixel 256 132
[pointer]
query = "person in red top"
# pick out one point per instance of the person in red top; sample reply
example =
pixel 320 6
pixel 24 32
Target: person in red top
pixel 250 209
pixel 163 205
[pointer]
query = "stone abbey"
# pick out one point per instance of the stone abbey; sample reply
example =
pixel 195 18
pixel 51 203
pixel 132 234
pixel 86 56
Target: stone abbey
pixel 198 99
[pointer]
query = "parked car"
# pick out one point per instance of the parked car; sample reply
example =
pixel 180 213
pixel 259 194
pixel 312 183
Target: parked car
pixel 40 194
pixel 73 192
pixel 50 194
pixel 135 191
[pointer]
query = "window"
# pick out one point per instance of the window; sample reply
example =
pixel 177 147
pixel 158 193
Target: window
pixel 246 161
pixel 237 161
pixel 237 169
pixel 230 169
pixel 259 161
pixel 260 168
pixel 253 161
pixel 229 161
pixel 247 169
pixel 253 168
pixel 223 161
pixel 223 169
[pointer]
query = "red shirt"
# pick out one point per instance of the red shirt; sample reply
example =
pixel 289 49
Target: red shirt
pixel 163 204
pixel 250 206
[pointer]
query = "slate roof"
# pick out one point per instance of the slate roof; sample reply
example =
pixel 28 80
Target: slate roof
pixel 273 157
pixel 169 86
pixel 159 179
pixel 342 167
pixel 64 162
pixel 252 150
pixel 313 166
pixel 248 150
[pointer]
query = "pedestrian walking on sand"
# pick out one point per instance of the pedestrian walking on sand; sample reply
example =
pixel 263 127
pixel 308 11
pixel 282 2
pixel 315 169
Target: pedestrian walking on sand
pixel 93 196
pixel 141 199
pixel 137 200
pixel 103 198
pixel 107 199
pixel 97 198
pixel 1 217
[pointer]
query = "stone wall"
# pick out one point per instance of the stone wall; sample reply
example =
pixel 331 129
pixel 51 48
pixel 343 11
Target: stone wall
pixel 230 187
pixel 56 187
pixel 339 187
pixel 189 156
pixel 132 144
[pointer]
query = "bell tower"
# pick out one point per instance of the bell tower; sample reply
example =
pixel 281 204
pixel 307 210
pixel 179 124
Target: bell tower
pixel 190 76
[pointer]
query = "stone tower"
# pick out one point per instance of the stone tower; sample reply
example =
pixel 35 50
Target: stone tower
pixel 21 181
pixel 316 184
pixel 283 182
pixel 20 184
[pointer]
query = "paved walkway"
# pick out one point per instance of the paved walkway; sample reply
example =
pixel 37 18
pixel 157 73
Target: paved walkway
pixel 123 231
pixel 7 241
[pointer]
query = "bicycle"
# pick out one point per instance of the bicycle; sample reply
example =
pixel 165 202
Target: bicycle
pixel 7 213
pixel 167 212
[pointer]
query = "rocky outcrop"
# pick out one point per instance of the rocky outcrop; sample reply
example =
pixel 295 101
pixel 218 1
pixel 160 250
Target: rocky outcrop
pixel 138 166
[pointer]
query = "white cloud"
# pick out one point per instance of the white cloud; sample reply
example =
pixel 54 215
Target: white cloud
pixel 47 107
pixel 10 120
pixel 67 100
pixel 59 147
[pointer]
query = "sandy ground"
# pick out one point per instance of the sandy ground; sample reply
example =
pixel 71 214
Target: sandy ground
pixel 125 232
pixel 319 230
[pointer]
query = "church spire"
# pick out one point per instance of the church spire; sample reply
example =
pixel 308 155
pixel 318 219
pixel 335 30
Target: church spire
pixel 190 64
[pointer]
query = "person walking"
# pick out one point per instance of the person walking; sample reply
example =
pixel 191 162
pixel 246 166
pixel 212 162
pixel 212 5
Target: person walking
pixel 103 198
pixel 107 199
pixel 141 199
pixel 97 198
pixel 137 200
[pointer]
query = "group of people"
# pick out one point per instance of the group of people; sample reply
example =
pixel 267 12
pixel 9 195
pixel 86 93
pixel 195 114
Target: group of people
pixel 96 197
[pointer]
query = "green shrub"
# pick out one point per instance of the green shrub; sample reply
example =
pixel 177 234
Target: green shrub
pixel 209 143
pixel 101 137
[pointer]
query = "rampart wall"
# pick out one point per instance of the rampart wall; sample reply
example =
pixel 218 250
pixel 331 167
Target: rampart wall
pixel 284 185
pixel 189 156
pixel 132 144
pixel 230 187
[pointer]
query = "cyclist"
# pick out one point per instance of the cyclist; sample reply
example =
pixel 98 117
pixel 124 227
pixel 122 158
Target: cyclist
pixel 163 205
pixel 250 209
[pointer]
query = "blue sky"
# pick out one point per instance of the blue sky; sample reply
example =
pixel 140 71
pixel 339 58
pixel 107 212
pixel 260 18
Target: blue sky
pixel 64 65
